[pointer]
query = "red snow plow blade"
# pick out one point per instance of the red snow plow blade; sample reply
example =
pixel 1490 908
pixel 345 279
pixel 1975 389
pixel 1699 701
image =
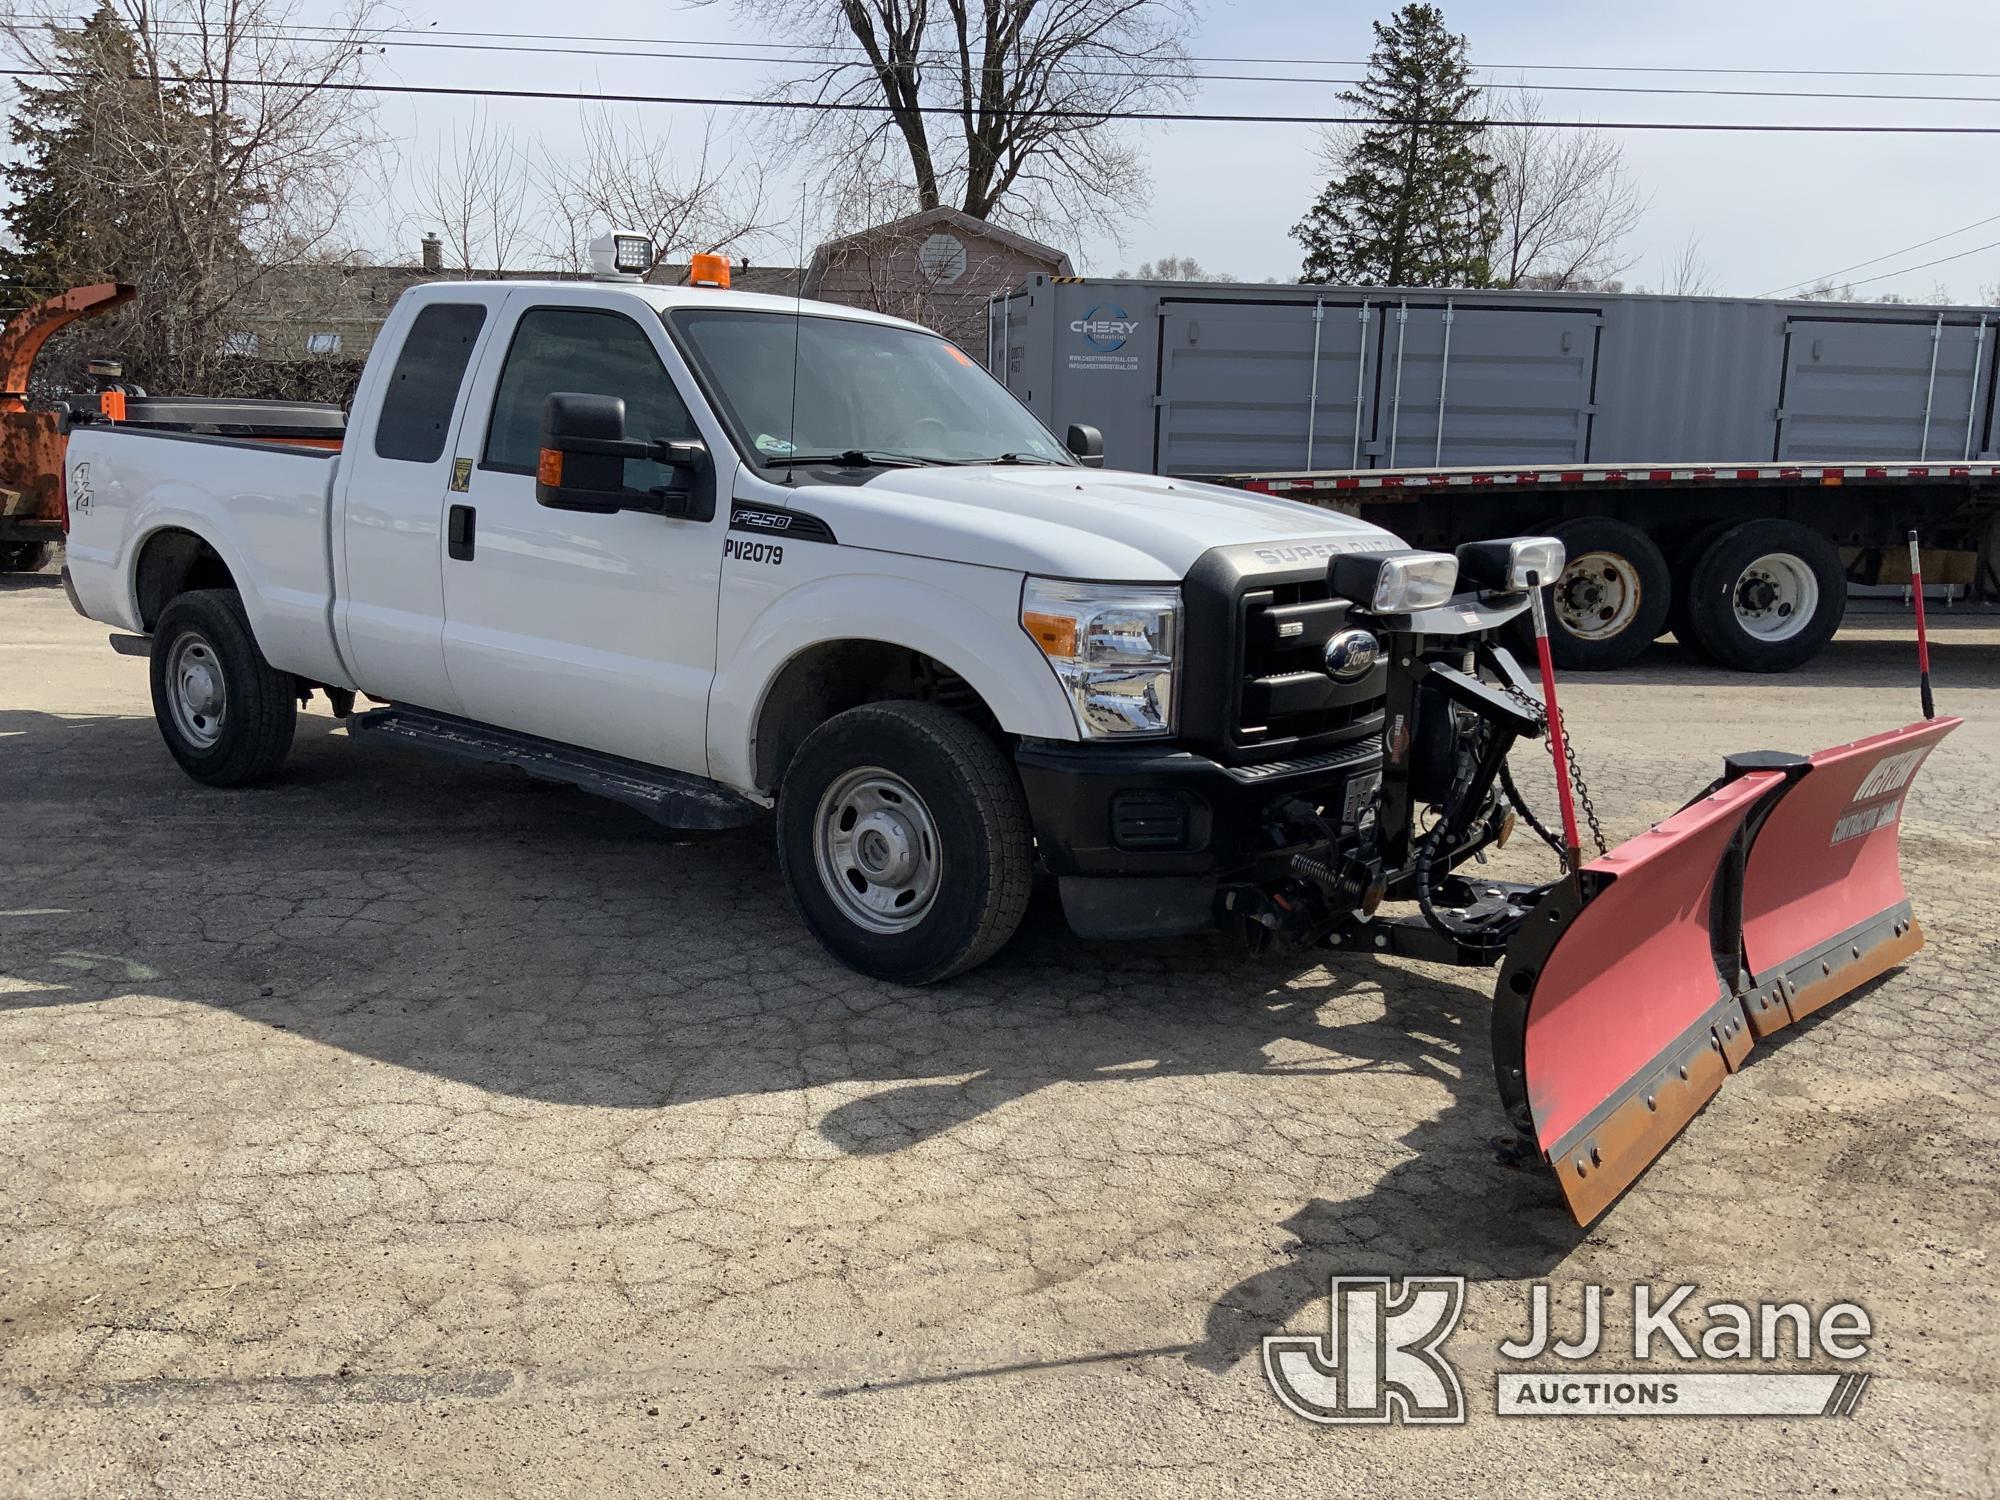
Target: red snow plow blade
pixel 1634 989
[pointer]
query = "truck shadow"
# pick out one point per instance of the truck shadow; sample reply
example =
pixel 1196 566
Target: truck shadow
pixel 534 942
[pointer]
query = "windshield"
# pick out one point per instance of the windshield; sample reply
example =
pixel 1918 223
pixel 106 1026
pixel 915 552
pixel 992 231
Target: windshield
pixel 867 392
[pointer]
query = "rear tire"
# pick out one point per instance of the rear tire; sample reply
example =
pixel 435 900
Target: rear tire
pixel 903 838
pixel 25 557
pixel 1766 596
pixel 1682 566
pixel 226 714
pixel 1611 600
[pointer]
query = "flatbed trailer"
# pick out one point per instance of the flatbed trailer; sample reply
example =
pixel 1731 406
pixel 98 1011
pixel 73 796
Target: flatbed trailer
pixel 1747 564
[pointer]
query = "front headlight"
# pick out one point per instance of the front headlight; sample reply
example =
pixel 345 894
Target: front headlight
pixel 1112 646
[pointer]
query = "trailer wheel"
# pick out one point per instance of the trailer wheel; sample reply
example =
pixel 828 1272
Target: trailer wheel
pixel 226 714
pixel 1766 596
pixel 1682 565
pixel 1612 597
pixel 25 557
pixel 903 837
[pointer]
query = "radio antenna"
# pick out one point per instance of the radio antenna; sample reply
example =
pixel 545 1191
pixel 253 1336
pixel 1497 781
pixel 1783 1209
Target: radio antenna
pixel 798 319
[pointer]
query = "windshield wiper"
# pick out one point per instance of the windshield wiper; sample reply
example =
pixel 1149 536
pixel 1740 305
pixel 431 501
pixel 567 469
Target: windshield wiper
pixel 1027 458
pixel 855 458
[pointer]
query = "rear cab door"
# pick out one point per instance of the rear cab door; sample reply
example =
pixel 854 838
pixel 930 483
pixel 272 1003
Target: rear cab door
pixel 596 630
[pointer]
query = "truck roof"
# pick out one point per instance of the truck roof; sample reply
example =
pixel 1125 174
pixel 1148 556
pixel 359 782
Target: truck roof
pixel 665 298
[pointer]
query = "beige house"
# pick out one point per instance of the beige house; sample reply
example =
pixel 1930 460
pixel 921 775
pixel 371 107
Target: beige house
pixel 939 268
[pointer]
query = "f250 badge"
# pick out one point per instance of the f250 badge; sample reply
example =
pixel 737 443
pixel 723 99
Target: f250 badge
pixel 79 487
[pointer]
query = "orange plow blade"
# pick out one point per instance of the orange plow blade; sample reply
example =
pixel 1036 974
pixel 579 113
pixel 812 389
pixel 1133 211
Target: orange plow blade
pixel 1639 984
pixel 1824 909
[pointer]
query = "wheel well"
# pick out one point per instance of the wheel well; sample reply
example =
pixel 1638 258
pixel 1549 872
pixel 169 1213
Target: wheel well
pixel 835 676
pixel 173 562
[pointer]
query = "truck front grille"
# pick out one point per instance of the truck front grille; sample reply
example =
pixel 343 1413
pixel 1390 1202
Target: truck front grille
pixel 1285 702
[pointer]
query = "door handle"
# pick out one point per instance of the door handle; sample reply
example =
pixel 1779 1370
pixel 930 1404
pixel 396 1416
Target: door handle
pixel 458 532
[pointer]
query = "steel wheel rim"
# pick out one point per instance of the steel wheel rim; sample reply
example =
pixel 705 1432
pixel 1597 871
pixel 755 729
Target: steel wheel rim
pixel 1775 597
pixel 197 692
pixel 877 850
pixel 1598 595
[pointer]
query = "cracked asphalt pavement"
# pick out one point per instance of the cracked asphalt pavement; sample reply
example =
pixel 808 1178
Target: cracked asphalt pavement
pixel 404 1127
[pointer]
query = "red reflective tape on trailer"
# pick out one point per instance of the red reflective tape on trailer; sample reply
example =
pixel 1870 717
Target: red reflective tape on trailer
pixel 1614 476
pixel 1748 474
pixel 1874 473
pixel 1483 478
pixel 1347 484
pixel 1660 476
pixel 1791 473
pixel 1571 476
pixel 1266 486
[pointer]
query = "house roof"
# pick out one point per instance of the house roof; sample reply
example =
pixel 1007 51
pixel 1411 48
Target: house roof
pixel 943 217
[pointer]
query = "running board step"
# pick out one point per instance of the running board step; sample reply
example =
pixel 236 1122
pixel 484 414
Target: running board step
pixel 667 797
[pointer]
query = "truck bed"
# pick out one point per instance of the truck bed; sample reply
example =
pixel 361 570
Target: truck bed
pixel 263 506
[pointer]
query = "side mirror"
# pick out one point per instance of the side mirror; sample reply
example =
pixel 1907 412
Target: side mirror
pixel 581 465
pixel 1087 443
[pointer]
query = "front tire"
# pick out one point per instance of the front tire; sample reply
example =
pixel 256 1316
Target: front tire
pixel 903 838
pixel 1766 596
pixel 226 714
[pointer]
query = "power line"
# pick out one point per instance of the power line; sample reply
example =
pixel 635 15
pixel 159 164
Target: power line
pixel 1165 117
pixel 1877 260
pixel 1134 74
pixel 1925 266
pixel 951 54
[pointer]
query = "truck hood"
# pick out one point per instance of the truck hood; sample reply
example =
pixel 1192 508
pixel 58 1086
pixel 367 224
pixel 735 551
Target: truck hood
pixel 1068 522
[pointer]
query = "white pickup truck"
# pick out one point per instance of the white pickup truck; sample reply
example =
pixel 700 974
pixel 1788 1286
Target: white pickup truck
pixel 716 554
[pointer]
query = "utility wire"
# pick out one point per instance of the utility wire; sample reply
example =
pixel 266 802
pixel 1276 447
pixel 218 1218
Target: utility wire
pixel 950 54
pixel 1877 260
pixel 370 43
pixel 1926 265
pixel 1170 117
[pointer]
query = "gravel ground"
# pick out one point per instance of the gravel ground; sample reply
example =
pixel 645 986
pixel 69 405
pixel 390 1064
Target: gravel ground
pixel 408 1128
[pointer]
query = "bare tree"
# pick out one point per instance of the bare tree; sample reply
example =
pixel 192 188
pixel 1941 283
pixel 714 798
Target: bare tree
pixel 211 133
pixel 626 177
pixel 1178 268
pixel 1688 274
pixel 1564 201
pixel 475 196
pixel 1002 108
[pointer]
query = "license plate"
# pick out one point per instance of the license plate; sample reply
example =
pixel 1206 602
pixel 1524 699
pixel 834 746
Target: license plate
pixel 1359 799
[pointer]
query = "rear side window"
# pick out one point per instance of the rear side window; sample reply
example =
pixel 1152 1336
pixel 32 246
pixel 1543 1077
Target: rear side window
pixel 417 407
pixel 599 354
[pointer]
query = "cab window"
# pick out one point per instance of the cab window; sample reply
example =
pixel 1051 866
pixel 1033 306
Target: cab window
pixel 600 354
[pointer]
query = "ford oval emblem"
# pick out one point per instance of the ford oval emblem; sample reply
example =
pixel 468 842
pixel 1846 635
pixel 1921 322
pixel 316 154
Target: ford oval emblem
pixel 1351 655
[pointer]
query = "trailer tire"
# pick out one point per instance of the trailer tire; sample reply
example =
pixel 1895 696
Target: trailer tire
pixel 1682 565
pixel 1766 596
pixel 903 837
pixel 226 714
pixel 1612 598
pixel 25 557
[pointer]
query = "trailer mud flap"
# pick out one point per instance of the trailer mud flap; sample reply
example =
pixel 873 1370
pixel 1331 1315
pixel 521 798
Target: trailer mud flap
pixel 1635 987
pixel 1824 909
pixel 1615 1019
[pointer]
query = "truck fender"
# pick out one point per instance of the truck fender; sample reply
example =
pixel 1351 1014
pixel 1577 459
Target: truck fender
pixel 973 630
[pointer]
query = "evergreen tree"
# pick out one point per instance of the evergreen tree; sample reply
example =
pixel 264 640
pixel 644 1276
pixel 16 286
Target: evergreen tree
pixel 1412 202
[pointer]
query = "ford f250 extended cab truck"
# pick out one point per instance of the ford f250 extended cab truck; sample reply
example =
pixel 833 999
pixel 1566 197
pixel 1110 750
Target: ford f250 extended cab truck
pixel 715 556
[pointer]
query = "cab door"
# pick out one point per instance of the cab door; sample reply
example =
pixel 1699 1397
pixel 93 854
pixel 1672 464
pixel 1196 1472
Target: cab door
pixel 596 630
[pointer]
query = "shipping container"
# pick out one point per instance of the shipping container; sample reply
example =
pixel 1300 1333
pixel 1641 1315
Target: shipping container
pixel 1721 468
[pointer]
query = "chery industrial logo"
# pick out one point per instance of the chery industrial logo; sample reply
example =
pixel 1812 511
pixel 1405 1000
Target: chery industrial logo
pixel 1105 327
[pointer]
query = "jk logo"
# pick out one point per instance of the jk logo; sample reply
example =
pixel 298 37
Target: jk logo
pixel 1379 1361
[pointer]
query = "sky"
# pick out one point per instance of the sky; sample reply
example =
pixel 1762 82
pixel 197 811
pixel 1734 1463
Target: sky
pixel 1767 211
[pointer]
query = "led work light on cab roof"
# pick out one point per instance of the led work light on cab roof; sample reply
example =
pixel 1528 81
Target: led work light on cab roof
pixel 621 255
